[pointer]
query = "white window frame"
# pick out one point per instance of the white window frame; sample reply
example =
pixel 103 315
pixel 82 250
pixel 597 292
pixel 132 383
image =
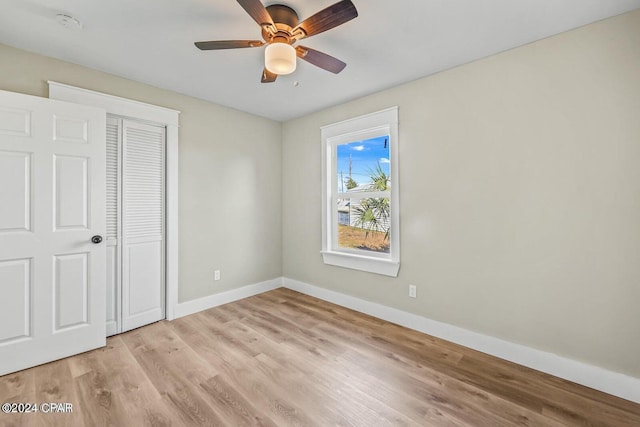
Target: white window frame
pixel 372 125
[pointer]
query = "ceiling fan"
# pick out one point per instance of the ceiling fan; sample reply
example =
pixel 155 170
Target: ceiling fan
pixel 281 30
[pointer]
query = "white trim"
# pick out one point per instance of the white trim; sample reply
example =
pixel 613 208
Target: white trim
pixel 153 114
pixel 385 267
pixel 610 382
pixel 210 301
pixel 384 122
pixel 113 104
pixel 346 126
pixel 171 230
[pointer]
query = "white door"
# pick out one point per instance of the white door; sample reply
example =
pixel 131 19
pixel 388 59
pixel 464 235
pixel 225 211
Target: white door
pixel 52 202
pixel 142 234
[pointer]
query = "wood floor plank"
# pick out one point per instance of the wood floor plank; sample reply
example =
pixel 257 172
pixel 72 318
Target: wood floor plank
pixel 331 399
pixel 205 339
pixel 97 404
pixel 236 409
pixel 54 384
pixel 286 359
pixel 14 388
pixel 138 396
pixel 290 400
pixel 423 385
pixel 21 383
pixel 502 379
pixel 241 371
pixel 181 393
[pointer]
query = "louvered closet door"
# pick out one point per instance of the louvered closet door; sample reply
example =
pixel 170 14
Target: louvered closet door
pixel 143 177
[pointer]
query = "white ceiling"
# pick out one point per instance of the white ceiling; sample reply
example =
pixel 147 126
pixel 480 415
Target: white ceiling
pixel 389 43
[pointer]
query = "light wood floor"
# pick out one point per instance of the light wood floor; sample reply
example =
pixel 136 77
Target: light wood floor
pixel 285 359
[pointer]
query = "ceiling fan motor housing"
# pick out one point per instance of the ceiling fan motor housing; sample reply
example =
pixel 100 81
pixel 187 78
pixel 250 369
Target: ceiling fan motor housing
pixel 285 19
pixel 283 14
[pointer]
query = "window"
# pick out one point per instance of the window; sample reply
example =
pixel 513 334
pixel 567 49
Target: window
pixel 360 193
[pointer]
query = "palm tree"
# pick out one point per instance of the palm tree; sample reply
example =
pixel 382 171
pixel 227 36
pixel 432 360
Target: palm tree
pixel 379 180
pixel 373 213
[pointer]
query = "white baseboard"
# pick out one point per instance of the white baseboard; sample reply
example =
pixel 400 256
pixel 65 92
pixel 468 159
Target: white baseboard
pixel 189 307
pixel 601 379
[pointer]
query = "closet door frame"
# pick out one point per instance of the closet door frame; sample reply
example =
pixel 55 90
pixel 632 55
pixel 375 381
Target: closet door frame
pixel 160 116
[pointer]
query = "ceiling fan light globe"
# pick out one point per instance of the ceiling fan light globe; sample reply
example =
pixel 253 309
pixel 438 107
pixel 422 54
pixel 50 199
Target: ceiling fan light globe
pixel 280 58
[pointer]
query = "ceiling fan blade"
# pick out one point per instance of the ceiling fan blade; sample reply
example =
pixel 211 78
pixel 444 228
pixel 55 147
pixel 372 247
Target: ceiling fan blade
pixel 319 59
pixel 268 76
pixel 257 11
pixel 228 44
pixel 326 19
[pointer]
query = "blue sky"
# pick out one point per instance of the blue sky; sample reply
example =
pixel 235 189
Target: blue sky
pixel 365 156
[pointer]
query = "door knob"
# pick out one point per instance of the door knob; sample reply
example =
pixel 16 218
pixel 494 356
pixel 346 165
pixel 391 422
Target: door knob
pixel 96 239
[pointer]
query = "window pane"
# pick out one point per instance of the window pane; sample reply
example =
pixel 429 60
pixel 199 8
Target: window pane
pixel 364 165
pixel 364 224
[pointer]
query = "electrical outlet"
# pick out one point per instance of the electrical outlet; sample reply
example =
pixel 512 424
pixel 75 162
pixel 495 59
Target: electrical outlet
pixel 412 291
pixel 216 275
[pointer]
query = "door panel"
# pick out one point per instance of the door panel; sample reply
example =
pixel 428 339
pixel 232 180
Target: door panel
pixel 70 188
pixel 15 285
pixel 71 290
pixel 145 272
pixel 15 121
pixel 70 129
pixel 52 167
pixel 15 176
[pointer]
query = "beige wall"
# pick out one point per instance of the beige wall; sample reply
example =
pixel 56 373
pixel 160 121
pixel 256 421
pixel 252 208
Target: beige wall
pixel 230 174
pixel 520 205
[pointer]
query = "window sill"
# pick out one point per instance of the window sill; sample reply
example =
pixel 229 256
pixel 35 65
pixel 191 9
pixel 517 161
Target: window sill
pixel 385 267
